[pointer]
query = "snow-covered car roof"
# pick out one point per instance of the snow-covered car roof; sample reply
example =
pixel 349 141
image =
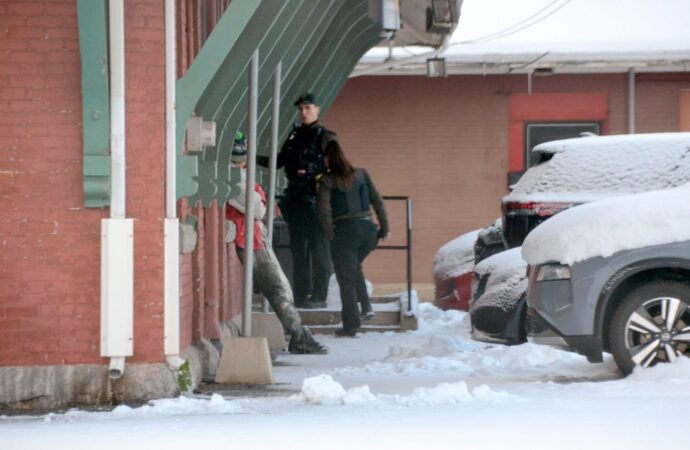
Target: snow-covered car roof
pixel 456 257
pixel 608 226
pixel 589 168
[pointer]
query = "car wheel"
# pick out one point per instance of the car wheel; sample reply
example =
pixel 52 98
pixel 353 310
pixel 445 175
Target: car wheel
pixel 651 325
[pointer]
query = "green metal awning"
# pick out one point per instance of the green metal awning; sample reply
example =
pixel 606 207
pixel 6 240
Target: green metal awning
pixel 318 42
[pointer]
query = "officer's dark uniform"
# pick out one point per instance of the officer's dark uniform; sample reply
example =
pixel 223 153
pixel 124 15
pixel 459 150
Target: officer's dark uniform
pixel 302 157
pixel 346 219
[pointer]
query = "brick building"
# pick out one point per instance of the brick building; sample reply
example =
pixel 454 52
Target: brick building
pixel 449 143
pixel 110 265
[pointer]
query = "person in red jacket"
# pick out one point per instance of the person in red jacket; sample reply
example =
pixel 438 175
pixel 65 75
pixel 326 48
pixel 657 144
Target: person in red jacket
pixel 268 275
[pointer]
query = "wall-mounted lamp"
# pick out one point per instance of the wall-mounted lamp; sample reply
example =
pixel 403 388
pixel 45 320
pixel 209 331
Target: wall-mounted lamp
pixel 436 67
pixel 441 16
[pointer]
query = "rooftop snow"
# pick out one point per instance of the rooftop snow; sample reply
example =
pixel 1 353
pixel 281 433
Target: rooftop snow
pixel 512 36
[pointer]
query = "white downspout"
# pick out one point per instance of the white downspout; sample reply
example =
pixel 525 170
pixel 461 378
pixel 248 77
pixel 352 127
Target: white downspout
pixel 117 238
pixel 117 108
pixel 249 198
pixel 171 332
pixel 631 101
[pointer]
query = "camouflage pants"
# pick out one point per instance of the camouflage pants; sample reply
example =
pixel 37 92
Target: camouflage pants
pixel 271 281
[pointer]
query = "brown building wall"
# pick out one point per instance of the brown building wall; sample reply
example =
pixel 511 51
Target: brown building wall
pixel 444 142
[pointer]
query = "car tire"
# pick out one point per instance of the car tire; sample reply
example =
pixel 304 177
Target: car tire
pixel 651 325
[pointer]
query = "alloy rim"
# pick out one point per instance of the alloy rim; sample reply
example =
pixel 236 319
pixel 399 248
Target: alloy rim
pixel 658 331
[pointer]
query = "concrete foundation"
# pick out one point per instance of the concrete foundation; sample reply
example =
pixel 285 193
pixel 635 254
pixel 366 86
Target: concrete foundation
pixel 54 387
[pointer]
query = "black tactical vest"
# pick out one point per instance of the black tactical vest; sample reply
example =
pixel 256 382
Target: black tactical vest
pixel 355 199
pixel 306 154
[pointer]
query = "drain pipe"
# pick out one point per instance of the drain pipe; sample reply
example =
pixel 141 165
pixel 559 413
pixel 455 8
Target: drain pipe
pixel 631 101
pixel 248 290
pixel 273 158
pixel 171 244
pixel 117 255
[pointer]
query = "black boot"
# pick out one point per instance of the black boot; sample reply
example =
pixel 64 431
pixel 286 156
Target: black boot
pixel 302 342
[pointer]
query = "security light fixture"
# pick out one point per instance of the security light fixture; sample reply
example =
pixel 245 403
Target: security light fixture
pixel 436 67
pixel 441 16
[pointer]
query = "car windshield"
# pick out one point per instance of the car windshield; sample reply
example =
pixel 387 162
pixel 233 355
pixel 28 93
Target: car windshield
pixel 590 168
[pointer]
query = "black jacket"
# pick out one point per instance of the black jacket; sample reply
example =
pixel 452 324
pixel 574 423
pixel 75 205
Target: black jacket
pixel 302 157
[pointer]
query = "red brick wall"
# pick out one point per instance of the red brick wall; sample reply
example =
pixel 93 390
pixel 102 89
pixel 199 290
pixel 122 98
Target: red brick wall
pixel 50 263
pixel 49 244
pixel 444 142
pixel 212 284
pixel 145 127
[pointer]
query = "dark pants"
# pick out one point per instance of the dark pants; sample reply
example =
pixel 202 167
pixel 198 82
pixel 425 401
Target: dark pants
pixel 274 285
pixel 311 260
pixel 353 241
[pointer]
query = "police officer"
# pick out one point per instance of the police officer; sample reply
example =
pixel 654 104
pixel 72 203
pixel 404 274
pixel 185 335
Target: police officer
pixel 346 196
pixel 302 157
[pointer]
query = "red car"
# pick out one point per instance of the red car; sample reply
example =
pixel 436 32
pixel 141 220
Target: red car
pixel 453 266
pixel 454 263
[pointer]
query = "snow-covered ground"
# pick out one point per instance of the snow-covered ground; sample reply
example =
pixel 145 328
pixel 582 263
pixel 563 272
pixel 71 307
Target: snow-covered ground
pixel 433 388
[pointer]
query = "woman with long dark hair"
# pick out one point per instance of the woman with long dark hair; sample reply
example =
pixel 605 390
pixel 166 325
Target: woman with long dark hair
pixel 344 201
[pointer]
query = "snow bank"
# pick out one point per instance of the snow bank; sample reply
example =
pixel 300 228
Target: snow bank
pixel 333 295
pixel 216 404
pixel 456 257
pixel 454 393
pixel 432 318
pixel 324 390
pixel 608 226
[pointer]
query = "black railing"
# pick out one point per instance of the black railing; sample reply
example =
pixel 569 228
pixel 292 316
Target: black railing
pixel 408 243
pixel 281 239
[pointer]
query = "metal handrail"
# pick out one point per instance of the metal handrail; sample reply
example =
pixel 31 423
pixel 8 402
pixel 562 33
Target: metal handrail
pixel 407 246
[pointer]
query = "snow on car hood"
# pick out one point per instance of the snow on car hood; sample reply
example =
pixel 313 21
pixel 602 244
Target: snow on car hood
pixel 456 257
pixel 504 262
pixel 591 168
pixel 608 226
pixel 507 281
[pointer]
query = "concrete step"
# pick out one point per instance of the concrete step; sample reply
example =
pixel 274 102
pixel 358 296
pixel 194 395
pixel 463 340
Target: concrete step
pixel 312 317
pixel 384 299
pixel 330 329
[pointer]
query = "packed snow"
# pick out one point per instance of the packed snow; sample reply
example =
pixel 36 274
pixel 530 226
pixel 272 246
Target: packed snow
pixel 608 226
pixel 432 388
pixel 456 257
pixel 507 280
pixel 598 167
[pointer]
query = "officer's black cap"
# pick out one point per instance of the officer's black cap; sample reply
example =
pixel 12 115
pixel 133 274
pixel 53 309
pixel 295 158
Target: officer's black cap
pixel 306 98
